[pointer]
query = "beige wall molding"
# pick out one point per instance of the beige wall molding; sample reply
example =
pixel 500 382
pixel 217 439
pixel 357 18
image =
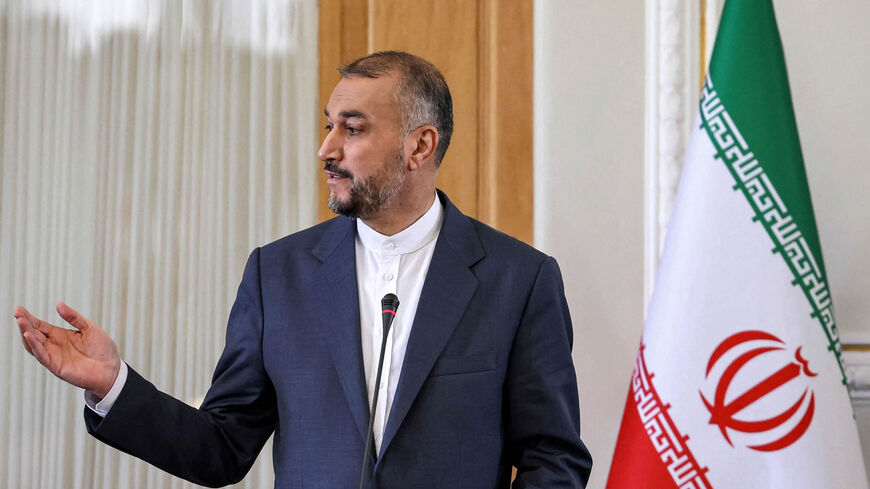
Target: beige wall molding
pixel 857 360
pixel 672 81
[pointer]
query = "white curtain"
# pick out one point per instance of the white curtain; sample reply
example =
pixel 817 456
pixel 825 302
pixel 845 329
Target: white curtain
pixel 145 148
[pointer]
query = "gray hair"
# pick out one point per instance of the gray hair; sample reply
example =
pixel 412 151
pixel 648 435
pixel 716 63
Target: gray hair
pixel 422 92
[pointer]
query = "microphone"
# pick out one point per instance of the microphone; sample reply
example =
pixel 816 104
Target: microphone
pixel 389 305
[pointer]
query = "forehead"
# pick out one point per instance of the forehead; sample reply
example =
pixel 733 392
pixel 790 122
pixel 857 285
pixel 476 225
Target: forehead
pixel 373 97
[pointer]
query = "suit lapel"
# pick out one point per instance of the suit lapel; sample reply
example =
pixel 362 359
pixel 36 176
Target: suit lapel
pixel 338 307
pixel 447 290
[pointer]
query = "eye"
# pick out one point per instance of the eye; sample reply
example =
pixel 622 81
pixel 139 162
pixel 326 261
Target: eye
pixel 353 131
pixel 328 127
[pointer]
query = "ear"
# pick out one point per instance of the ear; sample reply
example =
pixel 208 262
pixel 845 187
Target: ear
pixel 422 142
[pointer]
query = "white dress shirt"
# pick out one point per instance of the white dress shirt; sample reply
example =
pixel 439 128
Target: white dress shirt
pixel 102 406
pixel 391 264
pixel 384 264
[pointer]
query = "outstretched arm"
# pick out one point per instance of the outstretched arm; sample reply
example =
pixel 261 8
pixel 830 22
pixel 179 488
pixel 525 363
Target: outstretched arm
pixel 216 444
pixel 85 356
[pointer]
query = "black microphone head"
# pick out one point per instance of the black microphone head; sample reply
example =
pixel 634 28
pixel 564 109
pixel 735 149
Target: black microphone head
pixel 390 302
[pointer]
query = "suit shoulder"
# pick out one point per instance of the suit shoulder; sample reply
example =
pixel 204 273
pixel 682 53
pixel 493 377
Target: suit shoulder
pixel 503 246
pixel 305 239
pixel 509 262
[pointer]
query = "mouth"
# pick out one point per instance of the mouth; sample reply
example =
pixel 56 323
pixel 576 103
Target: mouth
pixel 334 173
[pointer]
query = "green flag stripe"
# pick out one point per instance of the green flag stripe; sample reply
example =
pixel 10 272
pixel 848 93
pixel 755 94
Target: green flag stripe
pixel 789 239
pixel 749 68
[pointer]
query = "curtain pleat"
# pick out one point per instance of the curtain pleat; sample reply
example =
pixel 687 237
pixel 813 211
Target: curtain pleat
pixel 146 147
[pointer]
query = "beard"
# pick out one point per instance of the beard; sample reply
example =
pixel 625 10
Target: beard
pixel 371 195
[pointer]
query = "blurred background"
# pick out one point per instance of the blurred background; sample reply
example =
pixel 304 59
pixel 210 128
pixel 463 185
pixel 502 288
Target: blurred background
pixel 146 147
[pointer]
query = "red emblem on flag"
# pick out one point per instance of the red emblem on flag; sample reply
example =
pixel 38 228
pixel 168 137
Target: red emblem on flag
pixel 749 346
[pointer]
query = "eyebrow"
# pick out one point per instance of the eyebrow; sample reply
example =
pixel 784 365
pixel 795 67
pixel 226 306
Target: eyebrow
pixel 347 114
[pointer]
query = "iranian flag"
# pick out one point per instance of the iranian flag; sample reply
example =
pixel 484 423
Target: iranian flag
pixel 739 380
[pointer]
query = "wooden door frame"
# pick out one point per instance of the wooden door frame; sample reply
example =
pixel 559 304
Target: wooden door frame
pixel 505 172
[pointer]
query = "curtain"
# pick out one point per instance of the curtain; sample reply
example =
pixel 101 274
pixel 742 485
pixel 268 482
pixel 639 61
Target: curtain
pixel 146 147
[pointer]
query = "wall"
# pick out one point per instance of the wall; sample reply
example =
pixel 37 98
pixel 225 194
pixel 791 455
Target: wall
pixel 484 50
pixel 589 112
pixel 825 47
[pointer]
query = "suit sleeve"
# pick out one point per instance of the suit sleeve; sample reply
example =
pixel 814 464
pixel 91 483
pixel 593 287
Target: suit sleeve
pixel 216 444
pixel 543 407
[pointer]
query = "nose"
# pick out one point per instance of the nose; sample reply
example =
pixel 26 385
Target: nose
pixel 330 149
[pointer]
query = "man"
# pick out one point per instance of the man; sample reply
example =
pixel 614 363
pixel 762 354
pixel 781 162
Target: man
pixel 478 375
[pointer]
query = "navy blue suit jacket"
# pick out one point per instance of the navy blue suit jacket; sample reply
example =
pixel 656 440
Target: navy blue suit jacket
pixel 487 380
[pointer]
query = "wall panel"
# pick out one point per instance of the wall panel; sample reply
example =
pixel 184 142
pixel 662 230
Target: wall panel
pixel 484 49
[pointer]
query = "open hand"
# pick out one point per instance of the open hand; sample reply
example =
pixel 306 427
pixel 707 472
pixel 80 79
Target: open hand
pixel 85 357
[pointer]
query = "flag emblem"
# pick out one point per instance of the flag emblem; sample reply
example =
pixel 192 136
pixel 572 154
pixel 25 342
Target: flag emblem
pixel 757 347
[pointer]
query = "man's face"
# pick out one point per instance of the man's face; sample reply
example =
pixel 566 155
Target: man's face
pixel 363 152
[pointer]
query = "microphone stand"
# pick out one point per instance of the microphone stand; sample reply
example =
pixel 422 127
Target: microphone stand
pixel 389 305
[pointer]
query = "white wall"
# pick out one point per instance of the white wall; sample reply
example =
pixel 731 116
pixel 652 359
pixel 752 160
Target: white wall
pixel 589 112
pixel 589 116
pixel 826 47
pixel 826 50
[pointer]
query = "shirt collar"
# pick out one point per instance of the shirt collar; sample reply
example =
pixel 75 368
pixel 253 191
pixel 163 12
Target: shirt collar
pixel 408 240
